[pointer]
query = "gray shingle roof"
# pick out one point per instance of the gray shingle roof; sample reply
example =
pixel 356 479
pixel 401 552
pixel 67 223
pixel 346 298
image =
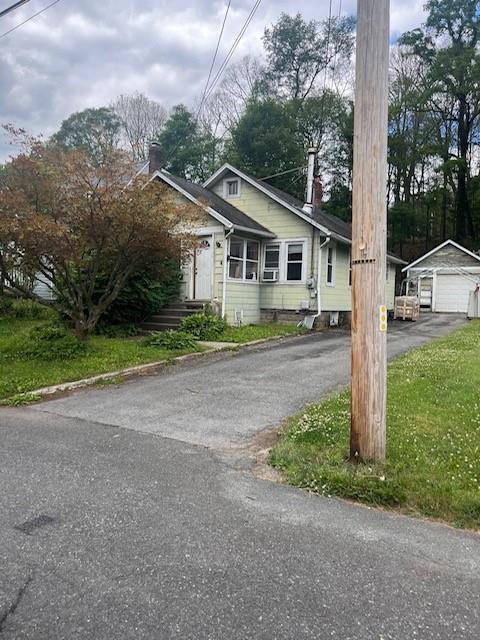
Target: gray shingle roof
pixel 332 223
pixel 232 214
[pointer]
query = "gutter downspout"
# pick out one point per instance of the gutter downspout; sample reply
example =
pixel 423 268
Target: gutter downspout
pixel 319 279
pixel 225 272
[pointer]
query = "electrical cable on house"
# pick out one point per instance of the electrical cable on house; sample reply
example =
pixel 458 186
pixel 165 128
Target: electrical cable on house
pixel 30 18
pixel 283 173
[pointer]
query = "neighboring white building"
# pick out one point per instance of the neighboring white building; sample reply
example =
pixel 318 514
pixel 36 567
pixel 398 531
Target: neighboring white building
pixel 444 278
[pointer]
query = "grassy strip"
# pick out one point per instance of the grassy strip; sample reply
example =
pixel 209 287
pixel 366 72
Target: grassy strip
pixel 433 451
pixel 103 355
pixel 251 332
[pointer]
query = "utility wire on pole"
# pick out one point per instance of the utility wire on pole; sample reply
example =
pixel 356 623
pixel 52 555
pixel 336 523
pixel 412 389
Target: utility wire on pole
pixel 17 5
pixel 369 233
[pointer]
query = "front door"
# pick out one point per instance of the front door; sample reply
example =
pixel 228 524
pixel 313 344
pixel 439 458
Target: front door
pixel 203 270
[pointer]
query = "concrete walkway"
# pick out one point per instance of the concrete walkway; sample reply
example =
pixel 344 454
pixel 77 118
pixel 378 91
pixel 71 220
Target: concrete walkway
pixel 220 401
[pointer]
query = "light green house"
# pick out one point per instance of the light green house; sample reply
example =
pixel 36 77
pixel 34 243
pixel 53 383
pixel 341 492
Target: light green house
pixel 264 255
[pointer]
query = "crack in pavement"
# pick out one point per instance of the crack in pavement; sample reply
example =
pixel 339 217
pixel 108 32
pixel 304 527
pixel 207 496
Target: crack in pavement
pixel 15 603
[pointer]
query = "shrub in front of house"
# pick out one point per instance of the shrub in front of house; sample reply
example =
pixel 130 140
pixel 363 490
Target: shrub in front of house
pixel 172 340
pixel 144 294
pixel 49 342
pixel 204 326
pixel 11 307
pixel 128 330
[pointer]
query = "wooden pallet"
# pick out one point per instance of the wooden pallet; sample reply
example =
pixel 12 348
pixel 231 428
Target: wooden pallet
pixel 407 308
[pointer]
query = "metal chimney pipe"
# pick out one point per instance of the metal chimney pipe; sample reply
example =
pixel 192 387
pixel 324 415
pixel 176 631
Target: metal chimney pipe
pixel 312 154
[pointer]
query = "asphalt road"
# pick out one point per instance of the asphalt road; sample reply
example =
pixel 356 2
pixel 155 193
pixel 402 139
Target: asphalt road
pixel 112 533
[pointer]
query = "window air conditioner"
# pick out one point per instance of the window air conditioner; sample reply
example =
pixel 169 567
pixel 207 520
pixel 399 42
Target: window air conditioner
pixel 270 276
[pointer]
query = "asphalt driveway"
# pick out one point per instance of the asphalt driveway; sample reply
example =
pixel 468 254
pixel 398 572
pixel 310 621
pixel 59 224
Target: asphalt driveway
pixel 223 400
pixel 110 530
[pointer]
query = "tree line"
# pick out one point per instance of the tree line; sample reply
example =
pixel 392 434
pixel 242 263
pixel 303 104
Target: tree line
pixel 267 111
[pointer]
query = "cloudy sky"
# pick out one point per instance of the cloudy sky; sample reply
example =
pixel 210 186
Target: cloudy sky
pixel 84 53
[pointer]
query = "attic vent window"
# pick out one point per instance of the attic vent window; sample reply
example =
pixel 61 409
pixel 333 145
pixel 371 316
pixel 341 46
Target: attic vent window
pixel 232 188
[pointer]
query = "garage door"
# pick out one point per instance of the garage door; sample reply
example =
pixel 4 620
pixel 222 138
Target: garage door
pixel 452 293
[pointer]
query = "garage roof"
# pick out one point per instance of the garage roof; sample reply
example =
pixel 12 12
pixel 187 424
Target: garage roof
pixel 440 246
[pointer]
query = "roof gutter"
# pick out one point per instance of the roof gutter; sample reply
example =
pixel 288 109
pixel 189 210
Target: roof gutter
pixel 264 234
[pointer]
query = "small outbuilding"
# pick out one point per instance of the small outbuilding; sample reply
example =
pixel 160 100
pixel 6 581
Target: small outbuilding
pixel 444 278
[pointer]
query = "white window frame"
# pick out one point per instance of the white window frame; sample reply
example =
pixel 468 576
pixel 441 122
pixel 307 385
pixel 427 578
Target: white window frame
pixel 226 182
pixel 333 249
pixel 244 261
pixel 264 260
pixel 283 260
pixel 288 243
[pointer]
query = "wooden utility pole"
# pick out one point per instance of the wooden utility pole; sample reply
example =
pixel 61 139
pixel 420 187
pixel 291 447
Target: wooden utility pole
pixel 369 232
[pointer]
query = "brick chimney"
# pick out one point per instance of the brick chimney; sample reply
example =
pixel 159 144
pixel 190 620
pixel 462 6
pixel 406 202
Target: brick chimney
pixel 317 193
pixel 154 157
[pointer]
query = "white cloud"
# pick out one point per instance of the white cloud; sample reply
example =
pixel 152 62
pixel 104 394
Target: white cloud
pixel 84 53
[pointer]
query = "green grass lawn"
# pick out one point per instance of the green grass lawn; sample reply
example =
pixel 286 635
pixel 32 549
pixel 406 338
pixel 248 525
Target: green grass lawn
pixel 103 355
pixel 21 375
pixel 252 332
pixel 433 437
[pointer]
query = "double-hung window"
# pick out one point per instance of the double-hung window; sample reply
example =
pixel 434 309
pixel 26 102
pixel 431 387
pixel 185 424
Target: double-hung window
pixel 272 262
pixel 331 266
pixel 294 259
pixel 284 261
pixel 243 259
pixel 232 188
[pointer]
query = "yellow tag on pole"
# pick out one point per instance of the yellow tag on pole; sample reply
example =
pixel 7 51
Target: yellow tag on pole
pixel 383 318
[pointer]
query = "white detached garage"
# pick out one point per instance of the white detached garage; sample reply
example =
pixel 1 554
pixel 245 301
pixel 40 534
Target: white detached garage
pixel 444 278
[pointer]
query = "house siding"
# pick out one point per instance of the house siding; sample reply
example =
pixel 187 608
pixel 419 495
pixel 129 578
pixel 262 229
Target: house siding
pixel 448 256
pixel 243 297
pixel 286 226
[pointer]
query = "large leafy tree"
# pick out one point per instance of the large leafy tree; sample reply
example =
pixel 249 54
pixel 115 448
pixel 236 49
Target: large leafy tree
pixel 187 150
pixel 94 131
pixel 299 54
pixel 449 47
pixel 266 141
pixel 76 224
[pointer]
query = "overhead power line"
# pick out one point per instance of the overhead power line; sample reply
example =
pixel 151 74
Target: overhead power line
pixel 210 88
pixel 14 6
pixel 202 101
pixel 229 55
pixel 30 18
pixel 283 173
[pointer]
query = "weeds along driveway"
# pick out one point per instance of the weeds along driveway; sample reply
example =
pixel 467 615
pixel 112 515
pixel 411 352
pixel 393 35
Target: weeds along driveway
pixel 222 400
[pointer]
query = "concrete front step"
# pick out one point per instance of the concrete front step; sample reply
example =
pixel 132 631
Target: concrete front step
pixel 170 312
pixel 158 326
pixel 172 316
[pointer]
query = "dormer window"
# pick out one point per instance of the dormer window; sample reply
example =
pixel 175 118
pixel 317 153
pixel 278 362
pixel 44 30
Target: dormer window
pixel 232 188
